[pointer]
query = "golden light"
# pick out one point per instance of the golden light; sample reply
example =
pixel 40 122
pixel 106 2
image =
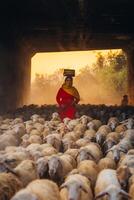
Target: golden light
pixel 44 88
pixel 48 63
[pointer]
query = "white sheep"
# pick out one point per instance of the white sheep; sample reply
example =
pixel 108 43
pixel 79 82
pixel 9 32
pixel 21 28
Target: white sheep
pixel 108 184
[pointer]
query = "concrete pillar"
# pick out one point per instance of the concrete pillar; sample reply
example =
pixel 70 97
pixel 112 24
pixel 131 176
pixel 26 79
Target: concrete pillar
pixel 15 74
pixel 130 60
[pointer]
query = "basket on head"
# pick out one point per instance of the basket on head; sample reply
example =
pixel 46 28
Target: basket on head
pixel 69 72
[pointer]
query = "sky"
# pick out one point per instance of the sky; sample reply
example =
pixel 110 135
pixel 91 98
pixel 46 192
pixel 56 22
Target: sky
pixel 48 63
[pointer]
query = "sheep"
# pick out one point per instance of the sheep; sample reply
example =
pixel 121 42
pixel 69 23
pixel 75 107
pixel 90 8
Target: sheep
pixel 120 128
pixel 124 145
pixel 106 163
pixel 54 140
pixel 72 135
pixel 94 124
pixel 80 129
pixel 24 194
pixel 42 167
pixel 131 181
pixel 15 158
pixel 38 126
pixel 35 155
pixel 72 152
pixel 26 171
pixel 35 139
pixel 69 158
pixel 68 143
pixel 102 133
pixel 127 160
pixel 72 123
pixel 48 151
pixel 82 142
pixel 8 140
pixel 25 142
pixel 129 123
pixel 35 132
pixel 116 153
pixel 9 185
pixel 56 117
pixel 62 129
pixel 131 187
pixel 84 119
pixel 39 190
pixel 131 191
pixel 113 122
pixel 34 146
pixel 76 187
pixel 89 152
pixel 130 152
pixel 108 184
pixel 59 167
pixel 111 139
pixel 90 134
pixel 89 169
pixel 35 118
pixel 123 175
pixel 44 149
pixel 45 132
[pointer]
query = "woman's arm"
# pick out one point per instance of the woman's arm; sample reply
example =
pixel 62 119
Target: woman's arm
pixel 59 96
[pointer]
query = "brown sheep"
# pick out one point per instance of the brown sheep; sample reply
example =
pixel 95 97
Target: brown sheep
pixel 102 133
pixel 94 124
pixel 123 175
pixel 59 167
pixel 113 122
pixel 39 190
pixel 111 139
pixel 90 134
pixel 54 140
pixel 106 163
pixel 82 142
pixel 90 152
pixel 26 171
pixel 89 169
pixel 72 152
pixel 9 185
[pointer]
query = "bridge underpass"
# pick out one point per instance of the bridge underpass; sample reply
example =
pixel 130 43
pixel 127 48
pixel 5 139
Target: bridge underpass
pixel 34 26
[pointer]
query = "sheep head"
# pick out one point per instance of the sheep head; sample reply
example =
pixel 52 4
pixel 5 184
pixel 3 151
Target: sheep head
pixel 113 192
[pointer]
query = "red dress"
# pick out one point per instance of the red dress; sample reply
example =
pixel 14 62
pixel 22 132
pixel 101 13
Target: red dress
pixel 66 106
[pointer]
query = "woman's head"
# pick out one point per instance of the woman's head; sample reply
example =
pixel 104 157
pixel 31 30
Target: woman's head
pixel 69 81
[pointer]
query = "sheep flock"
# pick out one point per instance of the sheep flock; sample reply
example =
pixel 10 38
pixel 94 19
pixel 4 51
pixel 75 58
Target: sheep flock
pixel 87 158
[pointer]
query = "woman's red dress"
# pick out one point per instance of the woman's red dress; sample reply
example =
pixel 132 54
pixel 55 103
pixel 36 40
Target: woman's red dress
pixel 66 106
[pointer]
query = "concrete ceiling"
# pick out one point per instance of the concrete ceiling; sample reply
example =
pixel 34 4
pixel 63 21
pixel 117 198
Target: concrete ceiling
pixel 47 25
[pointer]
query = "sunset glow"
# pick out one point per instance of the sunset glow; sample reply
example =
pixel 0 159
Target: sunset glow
pixel 48 63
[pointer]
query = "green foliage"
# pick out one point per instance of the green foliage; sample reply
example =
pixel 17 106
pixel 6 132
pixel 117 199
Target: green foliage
pixel 112 75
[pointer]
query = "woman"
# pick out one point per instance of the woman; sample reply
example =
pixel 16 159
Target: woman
pixel 67 97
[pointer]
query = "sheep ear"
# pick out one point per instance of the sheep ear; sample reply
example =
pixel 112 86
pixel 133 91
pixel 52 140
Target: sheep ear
pixel 10 160
pixel 83 188
pixel 123 121
pixel 101 194
pixel 89 153
pixel 64 185
pixel 9 169
pixel 125 194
